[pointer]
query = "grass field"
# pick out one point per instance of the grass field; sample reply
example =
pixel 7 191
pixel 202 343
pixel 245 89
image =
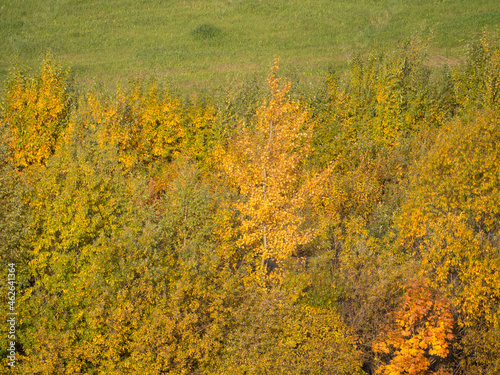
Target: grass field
pixel 205 44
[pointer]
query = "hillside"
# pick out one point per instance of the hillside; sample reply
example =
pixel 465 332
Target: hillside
pixel 202 44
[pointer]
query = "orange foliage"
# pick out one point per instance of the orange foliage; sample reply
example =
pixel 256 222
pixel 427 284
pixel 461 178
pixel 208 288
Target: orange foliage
pixel 419 335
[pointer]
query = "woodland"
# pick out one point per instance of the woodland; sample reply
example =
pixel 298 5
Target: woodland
pixel 353 231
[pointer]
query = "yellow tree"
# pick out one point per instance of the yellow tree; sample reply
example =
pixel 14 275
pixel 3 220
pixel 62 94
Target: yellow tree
pixel 449 221
pixel 36 112
pixel 144 124
pixel 264 164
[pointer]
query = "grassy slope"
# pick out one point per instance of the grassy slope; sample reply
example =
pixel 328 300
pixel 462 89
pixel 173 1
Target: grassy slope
pixel 111 41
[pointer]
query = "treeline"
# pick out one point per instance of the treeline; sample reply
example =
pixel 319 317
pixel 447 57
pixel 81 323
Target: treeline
pixel 353 232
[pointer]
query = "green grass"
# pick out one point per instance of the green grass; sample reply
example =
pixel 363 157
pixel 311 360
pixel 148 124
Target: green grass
pixel 205 44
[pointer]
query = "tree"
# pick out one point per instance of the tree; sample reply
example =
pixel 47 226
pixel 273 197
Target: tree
pixel 265 165
pixel 449 222
pixel 274 335
pixel 35 114
pixel 419 335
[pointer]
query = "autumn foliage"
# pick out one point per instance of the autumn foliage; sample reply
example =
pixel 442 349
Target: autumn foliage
pixel 41 102
pixel 356 232
pixel 264 163
pixel 418 336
